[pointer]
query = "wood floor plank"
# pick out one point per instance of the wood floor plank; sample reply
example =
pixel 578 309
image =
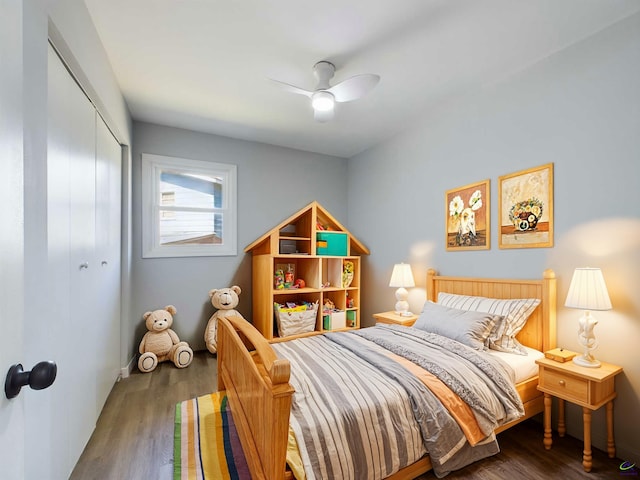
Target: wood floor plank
pixel 133 439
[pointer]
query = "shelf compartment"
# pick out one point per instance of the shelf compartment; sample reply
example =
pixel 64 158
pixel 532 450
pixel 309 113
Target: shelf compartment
pixel 294 245
pixel 338 298
pixel 305 267
pixel 302 296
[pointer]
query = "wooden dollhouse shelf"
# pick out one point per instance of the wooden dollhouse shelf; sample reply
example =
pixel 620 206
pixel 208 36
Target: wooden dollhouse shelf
pixel 293 245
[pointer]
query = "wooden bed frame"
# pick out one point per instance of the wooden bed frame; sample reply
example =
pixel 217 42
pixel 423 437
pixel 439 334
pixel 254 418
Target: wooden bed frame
pixel 257 382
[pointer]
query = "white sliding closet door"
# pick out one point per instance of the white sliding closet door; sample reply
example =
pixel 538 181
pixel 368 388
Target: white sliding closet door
pixel 83 220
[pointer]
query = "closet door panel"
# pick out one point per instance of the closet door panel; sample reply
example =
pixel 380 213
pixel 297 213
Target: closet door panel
pixel 83 268
pixel 54 345
pixel 83 265
pixel 108 215
pixel 59 259
pixel 71 171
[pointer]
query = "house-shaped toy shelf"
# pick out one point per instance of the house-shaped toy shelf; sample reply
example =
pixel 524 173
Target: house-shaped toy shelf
pixel 310 245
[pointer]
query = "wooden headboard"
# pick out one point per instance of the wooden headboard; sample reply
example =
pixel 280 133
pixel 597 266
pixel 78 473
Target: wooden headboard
pixel 540 330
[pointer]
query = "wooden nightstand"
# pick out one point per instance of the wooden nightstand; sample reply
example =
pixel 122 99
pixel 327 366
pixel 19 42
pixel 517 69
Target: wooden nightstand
pixel 591 388
pixel 395 319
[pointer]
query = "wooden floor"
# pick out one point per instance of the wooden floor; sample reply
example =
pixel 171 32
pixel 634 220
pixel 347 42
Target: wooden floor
pixel 133 439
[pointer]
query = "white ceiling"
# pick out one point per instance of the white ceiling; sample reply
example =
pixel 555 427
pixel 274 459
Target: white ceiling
pixel 205 65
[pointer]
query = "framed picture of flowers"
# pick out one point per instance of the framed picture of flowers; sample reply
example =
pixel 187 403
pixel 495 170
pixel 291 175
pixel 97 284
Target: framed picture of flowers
pixel 525 208
pixel 467 214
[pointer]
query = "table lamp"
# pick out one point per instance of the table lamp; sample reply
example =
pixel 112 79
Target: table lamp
pixel 587 292
pixel 402 277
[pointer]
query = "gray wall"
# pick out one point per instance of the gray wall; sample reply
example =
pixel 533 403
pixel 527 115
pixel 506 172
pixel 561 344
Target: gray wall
pixel 273 183
pixel 579 109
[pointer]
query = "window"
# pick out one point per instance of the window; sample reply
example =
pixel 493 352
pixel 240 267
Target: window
pixel 189 207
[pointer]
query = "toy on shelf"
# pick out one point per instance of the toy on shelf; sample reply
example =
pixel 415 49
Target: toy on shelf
pixel 350 301
pixel 161 343
pixel 278 280
pixel 347 273
pixel 284 276
pixel 328 306
pixel 225 300
pixel 289 276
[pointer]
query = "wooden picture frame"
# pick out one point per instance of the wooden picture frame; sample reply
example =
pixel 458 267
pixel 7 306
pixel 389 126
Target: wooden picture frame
pixel 467 225
pixel 525 208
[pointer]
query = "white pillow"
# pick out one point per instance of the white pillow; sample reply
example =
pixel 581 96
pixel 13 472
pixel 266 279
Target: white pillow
pixel 514 313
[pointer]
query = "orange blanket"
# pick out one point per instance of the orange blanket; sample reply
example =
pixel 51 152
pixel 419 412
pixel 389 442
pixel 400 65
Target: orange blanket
pixel 458 409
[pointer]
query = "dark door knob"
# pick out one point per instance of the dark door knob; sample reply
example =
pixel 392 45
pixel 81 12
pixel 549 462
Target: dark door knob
pixel 41 376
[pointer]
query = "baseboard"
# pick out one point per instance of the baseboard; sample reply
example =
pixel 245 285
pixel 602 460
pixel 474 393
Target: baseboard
pixel 126 370
pixel 629 455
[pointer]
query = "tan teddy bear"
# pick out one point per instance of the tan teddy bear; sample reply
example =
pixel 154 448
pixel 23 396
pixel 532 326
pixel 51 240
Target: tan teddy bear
pixel 225 300
pixel 161 343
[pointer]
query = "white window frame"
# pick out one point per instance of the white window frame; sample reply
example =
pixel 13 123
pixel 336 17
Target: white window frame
pixel 152 167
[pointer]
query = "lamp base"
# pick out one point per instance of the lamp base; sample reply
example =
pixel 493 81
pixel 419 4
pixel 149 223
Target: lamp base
pixel 586 361
pixel 402 306
pixel 587 339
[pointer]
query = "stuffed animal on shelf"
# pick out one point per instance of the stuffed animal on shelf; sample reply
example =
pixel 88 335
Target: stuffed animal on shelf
pixel 225 300
pixel 161 343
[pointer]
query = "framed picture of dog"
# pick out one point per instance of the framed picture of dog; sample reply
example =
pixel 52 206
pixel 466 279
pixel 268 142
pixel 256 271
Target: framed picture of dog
pixel 467 217
pixel 525 208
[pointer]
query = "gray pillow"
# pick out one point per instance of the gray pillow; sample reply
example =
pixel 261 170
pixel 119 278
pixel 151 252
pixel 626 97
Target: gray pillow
pixel 513 312
pixel 467 327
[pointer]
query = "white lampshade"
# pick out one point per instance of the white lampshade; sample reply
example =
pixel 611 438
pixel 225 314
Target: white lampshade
pixel 402 276
pixel 588 290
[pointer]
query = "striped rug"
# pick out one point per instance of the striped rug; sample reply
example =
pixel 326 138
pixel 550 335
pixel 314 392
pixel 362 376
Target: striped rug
pixel 206 443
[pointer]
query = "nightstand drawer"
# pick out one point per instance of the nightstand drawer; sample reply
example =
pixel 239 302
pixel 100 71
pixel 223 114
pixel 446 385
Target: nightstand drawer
pixel 564 386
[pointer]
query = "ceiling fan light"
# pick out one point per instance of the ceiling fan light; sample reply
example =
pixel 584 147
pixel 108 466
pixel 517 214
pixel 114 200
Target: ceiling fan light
pixel 322 101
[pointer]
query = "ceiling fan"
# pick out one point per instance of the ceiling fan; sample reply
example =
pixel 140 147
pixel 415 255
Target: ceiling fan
pixel 324 97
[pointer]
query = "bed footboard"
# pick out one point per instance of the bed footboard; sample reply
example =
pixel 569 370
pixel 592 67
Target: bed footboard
pixel 259 393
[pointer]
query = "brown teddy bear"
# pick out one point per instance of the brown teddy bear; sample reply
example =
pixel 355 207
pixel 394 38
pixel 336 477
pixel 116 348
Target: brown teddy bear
pixel 161 343
pixel 225 300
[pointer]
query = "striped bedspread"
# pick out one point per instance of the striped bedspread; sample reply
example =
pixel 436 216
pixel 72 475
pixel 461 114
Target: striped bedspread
pixel 359 414
pixel 206 442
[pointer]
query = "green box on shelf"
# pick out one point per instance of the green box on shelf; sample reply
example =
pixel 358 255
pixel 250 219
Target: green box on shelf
pixel 336 243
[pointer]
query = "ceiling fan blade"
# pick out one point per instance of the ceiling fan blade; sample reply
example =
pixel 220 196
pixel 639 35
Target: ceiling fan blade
pixel 292 88
pixel 323 116
pixel 354 87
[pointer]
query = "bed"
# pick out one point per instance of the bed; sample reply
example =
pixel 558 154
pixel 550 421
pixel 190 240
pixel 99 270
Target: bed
pixel 258 386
